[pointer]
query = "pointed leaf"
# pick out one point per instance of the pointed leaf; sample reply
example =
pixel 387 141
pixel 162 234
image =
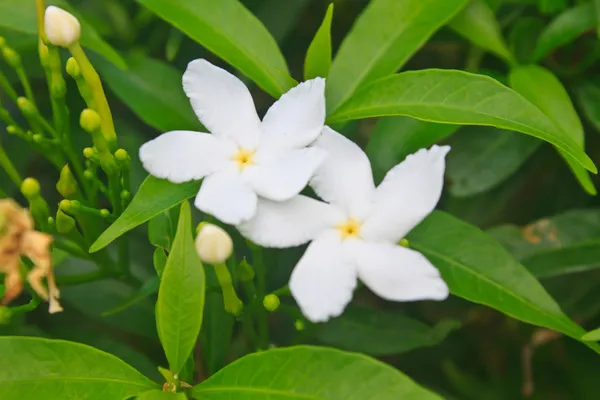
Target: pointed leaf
pixel 229 30
pixel 588 97
pixel 180 304
pixel 318 55
pixel 57 369
pixel 592 336
pixel 383 38
pixel 456 97
pixel 310 373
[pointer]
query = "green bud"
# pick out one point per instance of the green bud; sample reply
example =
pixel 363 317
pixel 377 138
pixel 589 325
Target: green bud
pixel 44 56
pixel 38 138
pixel 73 68
pixel 11 129
pixel 271 302
pixel 64 223
pixel 5 315
pixel 12 58
pixel 245 272
pixel 105 213
pixel 87 174
pixel 404 243
pixel 50 221
pixel 70 206
pixel 58 89
pixel 64 204
pixel 125 195
pixel 89 120
pixel 66 185
pixel 30 188
pixel 89 152
pixel 26 107
pixel 299 325
pixel 121 155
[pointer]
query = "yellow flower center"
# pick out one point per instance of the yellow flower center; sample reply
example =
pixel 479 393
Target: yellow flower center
pixel 244 158
pixel 350 228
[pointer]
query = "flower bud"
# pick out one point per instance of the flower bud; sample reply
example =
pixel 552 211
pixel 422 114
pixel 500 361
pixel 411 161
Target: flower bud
pixel 38 138
pixel 66 185
pixel 271 302
pixel 89 152
pixel 73 68
pixel 404 243
pixel 64 223
pixel 44 55
pixel 89 120
pixel 121 155
pixel 125 195
pixel 105 213
pixel 62 28
pixel 213 244
pixel 26 107
pixel 11 129
pixel 299 325
pixel 30 188
pixel 87 174
pixel 12 58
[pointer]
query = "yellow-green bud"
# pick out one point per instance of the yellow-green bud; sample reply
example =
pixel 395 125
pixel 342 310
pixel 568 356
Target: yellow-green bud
pixel 30 188
pixel 89 120
pixel 125 195
pixel 89 152
pixel 105 213
pixel 64 223
pixel 121 155
pixel 245 272
pixel 299 325
pixel 26 107
pixel 271 302
pixel 44 56
pixel 11 129
pixel 66 185
pixel 73 68
pixel 38 138
pixel 404 243
pixel 62 28
pixel 64 204
pixel 87 174
pixel 50 221
pixel 12 58
pixel 213 244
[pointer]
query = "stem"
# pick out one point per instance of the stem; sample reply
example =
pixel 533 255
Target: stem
pixel 71 248
pixel 7 88
pixel 26 85
pixel 233 304
pixel 69 280
pixel 25 308
pixel 9 168
pixel 261 289
pixel 40 10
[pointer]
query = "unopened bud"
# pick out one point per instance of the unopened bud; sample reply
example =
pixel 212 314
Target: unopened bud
pixel 62 28
pixel 271 302
pixel 213 244
pixel 73 68
pixel 11 129
pixel 121 155
pixel 89 120
pixel 12 58
pixel 125 195
pixel 87 174
pixel 30 188
pixel 50 221
pixel 64 223
pixel 404 243
pixel 38 138
pixel 105 213
pixel 299 325
pixel 26 106
pixel 89 152
pixel 44 55
pixel 66 185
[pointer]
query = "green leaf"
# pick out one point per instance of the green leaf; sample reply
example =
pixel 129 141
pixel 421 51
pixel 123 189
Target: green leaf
pixel 153 197
pixel 217 332
pixel 180 303
pixel 159 260
pixel 545 91
pixel 380 333
pixel 588 97
pixel 148 288
pixel 456 97
pixel 383 38
pixel 56 369
pixel 318 55
pixel 161 229
pixel 396 137
pixel 552 6
pixel 523 38
pixel 229 30
pixel 20 16
pixel 479 269
pixel 477 23
pixel 310 373
pixel 153 91
pixel 592 336
pixel 160 395
pixel 483 157
pixel 565 28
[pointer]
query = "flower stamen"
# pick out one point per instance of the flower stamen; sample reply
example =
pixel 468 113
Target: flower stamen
pixel 350 228
pixel 244 158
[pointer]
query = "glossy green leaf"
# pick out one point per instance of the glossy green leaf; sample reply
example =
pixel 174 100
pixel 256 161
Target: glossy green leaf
pixel 592 336
pixel 523 36
pixel 477 23
pixel 20 16
pixel 148 288
pixel 479 269
pixel 588 97
pixel 457 97
pixel 159 260
pixel 396 137
pixel 384 37
pixel 380 333
pixel 153 91
pixel 160 395
pixel 56 369
pixel 318 55
pixel 565 28
pixel 216 25
pixel 153 197
pixel 544 90
pixel 180 304
pixel 310 373
pixel 483 157
pixel 162 228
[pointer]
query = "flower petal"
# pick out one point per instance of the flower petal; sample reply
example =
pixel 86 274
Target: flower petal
pixel 297 118
pixel 396 273
pixel 345 177
pixel 284 177
pixel 222 103
pixel 289 223
pixel 181 156
pixel 322 282
pixel 227 197
pixel 408 193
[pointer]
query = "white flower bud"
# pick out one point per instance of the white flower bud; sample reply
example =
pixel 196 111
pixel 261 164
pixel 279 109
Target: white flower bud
pixel 213 244
pixel 62 28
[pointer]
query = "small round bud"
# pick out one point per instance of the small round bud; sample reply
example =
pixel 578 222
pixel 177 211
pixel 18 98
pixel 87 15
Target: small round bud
pixel 12 58
pixel 299 325
pixel 88 152
pixel 11 129
pixel 58 89
pixel 62 28
pixel 73 68
pixel 404 243
pixel 271 302
pixel 44 56
pixel 26 106
pixel 105 213
pixel 30 188
pixel 213 244
pixel 38 138
pixel 121 155
pixel 50 221
pixel 64 204
pixel 125 195
pixel 89 120
pixel 87 174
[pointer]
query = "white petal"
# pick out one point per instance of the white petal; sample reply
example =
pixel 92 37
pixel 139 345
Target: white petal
pixel 285 176
pixel 181 156
pixel 396 273
pixel 222 103
pixel 297 118
pixel 322 282
pixel 227 197
pixel 407 195
pixel 289 223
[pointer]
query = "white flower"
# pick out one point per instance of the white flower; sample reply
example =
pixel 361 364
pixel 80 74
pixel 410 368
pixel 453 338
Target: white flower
pixel 213 244
pixel 354 234
pixel 244 157
pixel 62 28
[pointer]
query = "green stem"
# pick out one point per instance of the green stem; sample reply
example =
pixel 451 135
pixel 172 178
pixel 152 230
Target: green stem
pixel 25 308
pixel 9 168
pixel 233 304
pixel 7 88
pixel 25 83
pixel 69 280
pixel 71 248
pixel 261 290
